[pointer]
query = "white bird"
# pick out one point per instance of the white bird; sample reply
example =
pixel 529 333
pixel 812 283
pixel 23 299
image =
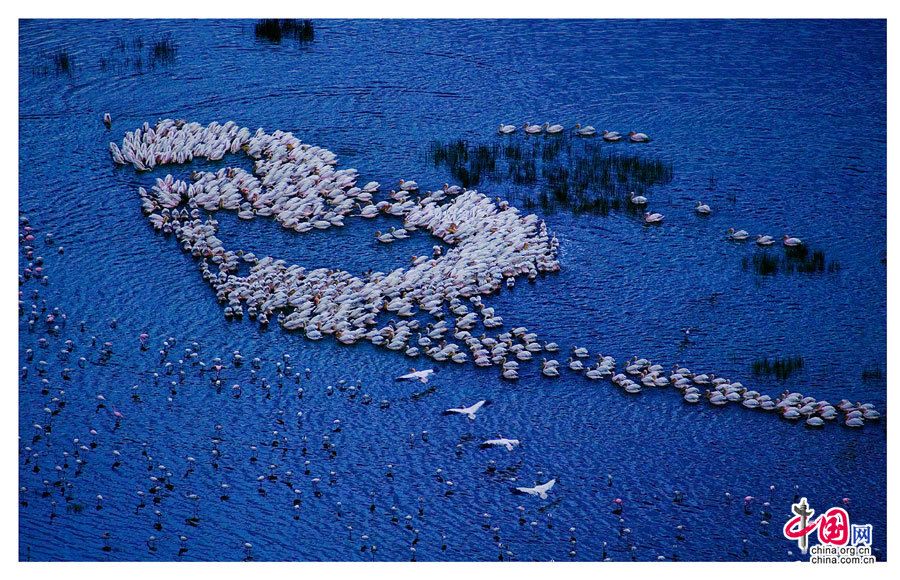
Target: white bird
pixel 638 199
pixel 638 137
pixel 421 376
pixel 501 442
pixel 586 131
pixel 409 185
pixel 791 242
pixel 467 411
pixel 538 490
pixel 611 136
pixel 653 218
pixel 702 208
pixel 553 129
pixel 107 120
pixel 762 240
pixel 532 129
pixel 738 236
pixel 506 129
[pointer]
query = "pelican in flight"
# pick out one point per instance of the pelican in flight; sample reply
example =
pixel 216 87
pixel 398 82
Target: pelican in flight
pixel 421 376
pixel 467 411
pixel 501 442
pixel 538 490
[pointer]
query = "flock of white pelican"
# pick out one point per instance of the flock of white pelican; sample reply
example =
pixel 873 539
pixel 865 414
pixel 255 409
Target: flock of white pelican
pixel 762 239
pixel 579 130
pixel 490 244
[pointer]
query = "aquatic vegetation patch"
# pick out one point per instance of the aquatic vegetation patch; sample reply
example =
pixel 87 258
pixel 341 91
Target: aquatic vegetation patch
pixel 795 259
pixel 573 175
pixel 275 29
pixel 58 62
pixel 163 51
pixel 872 374
pixel 62 61
pixel 781 368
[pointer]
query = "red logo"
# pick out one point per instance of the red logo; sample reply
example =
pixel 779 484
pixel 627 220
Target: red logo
pixel 833 526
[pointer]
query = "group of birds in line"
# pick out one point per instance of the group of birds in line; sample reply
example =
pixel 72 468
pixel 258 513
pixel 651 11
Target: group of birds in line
pixel 703 210
pixel 640 373
pixel 585 131
pixel 763 240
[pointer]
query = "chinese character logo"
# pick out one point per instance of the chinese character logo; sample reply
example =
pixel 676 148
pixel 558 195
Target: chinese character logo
pixel 861 534
pixel 833 527
pixel 798 527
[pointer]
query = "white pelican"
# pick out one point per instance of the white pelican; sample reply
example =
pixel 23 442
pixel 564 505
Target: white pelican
pixel 467 411
pixel 611 136
pixel 653 218
pixel 553 129
pixel 702 208
pixel 762 240
pixel 586 131
pixel 501 442
pixel 421 376
pixel 532 129
pixel 638 137
pixel 409 185
pixel 738 236
pixel 791 242
pixel 506 129
pixel 538 490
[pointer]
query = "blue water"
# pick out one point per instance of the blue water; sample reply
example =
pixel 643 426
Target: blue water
pixel 779 125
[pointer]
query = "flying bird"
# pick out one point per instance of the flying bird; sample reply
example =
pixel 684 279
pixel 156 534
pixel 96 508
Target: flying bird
pixel 467 411
pixel 417 375
pixel 538 490
pixel 501 442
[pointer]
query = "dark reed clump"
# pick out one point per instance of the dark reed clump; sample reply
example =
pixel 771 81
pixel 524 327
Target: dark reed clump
pixel 795 259
pixel 781 368
pixel 468 164
pixel 577 176
pixel 274 29
pixel 163 51
pixel 872 374
pixel 62 61
pixel 763 263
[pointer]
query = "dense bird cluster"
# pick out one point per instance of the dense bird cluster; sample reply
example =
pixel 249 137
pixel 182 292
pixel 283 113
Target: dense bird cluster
pixel 490 243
